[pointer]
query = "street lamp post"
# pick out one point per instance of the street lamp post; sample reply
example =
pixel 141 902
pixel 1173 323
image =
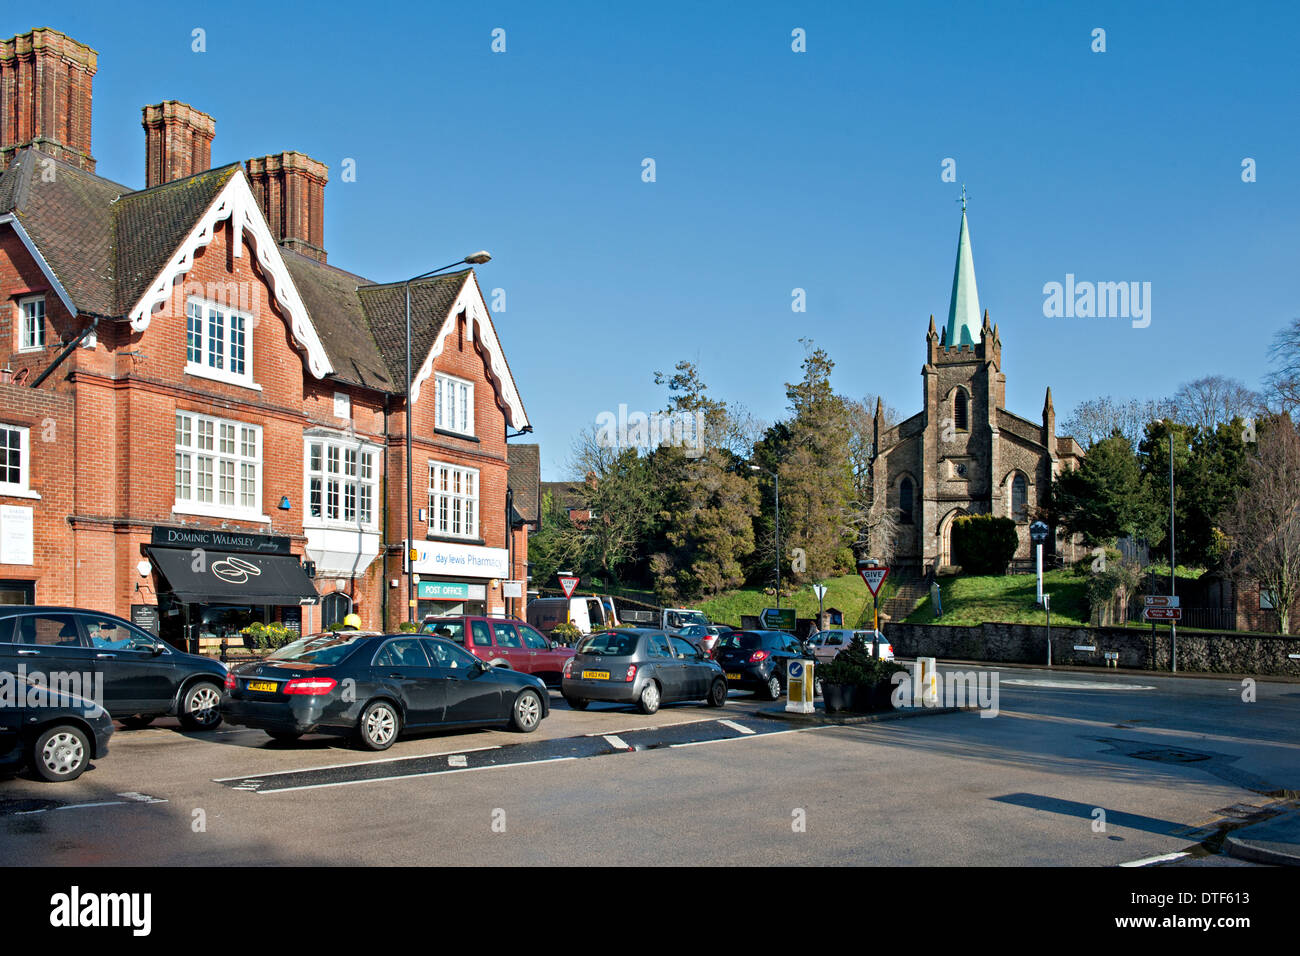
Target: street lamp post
pixel 776 479
pixel 1173 625
pixel 476 258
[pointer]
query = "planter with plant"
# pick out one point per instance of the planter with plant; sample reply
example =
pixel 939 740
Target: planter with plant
pixel 264 637
pixel 855 681
pixel 566 633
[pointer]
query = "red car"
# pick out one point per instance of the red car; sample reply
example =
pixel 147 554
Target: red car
pixel 504 642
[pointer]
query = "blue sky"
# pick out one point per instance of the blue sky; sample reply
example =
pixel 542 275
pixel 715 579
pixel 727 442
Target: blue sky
pixel 775 170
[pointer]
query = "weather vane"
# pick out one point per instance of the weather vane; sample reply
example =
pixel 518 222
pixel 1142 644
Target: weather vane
pixel 963 197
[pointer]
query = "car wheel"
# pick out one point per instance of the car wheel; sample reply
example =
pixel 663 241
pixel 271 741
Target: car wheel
pixel 649 700
pixel 526 714
pixel 576 703
pixel 379 726
pixel 774 686
pixel 60 753
pixel 717 693
pixel 283 736
pixel 201 706
pixel 137 721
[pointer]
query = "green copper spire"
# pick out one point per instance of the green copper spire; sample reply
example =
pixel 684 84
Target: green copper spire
pixel 964 310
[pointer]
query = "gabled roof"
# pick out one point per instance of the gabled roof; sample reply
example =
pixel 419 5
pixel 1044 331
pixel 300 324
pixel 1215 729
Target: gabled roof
pixel 114 252
pixel 385 310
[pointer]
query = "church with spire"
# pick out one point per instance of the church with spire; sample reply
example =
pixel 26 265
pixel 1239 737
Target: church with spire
pixel 964 453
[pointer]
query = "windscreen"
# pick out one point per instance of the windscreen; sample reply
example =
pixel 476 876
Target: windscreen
pixel 739 641
pixel 321 649
pixel 609 644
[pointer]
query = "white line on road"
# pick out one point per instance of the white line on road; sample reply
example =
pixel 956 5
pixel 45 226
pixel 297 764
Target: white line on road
pixel 735 726
pixel 413 776
pixel 1073 684
pixel 775 733
pixel 618 743
pixel 1156 859
pixel 88 806
pixel 355 763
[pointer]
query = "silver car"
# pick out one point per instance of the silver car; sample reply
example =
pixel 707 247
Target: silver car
pixel 641 666
pixel 826 645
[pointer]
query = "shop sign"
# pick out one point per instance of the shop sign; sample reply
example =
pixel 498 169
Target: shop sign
pixel 220 540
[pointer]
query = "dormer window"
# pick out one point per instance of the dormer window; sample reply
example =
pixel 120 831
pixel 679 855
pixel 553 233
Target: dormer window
pixel 218 343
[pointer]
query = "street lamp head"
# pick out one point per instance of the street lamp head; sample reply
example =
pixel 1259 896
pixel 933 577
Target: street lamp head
pixel 478 258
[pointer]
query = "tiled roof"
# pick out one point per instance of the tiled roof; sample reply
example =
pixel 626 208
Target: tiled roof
pixel 105 243
pixel 385 310
pixel 525 479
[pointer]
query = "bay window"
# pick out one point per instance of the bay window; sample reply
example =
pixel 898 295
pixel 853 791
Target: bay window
pixel 342 482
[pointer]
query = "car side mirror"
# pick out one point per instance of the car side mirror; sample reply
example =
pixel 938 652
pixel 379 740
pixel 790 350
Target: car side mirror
pixel 157 650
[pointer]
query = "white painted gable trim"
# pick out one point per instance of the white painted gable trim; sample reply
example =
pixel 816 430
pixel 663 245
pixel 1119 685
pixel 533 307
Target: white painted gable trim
pixel 471 302
pixel 9 219
pixel 236 203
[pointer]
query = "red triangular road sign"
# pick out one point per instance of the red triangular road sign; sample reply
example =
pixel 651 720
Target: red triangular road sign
pixel 569 583
pixel 874 577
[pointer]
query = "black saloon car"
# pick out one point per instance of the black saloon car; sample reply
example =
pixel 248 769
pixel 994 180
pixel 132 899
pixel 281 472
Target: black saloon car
pixel 643 667
pixel 374 687
pixel 48 727
pixel 138 677
pixel 757 660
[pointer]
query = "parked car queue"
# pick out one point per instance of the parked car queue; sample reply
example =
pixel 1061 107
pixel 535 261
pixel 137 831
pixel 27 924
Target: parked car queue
pixel 372 687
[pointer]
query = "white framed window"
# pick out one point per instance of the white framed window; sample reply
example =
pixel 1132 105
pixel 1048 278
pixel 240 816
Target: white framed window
pixel 342 483
pixel 218 343
pixel 15 461
pixel 218 467
pixel 31 323
pixel 453 500
pixel 454 404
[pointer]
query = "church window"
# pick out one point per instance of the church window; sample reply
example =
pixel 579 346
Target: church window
pixel 961 411
pixel 1019 498
pixel 905 501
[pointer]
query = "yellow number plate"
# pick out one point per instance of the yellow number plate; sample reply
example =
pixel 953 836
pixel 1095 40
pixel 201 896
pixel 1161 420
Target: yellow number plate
pixel 264 685
pixel 733 677
pixel 595 675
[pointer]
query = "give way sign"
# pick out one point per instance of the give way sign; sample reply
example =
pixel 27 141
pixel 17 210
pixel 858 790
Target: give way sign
pixel 569 584
pixel 874 576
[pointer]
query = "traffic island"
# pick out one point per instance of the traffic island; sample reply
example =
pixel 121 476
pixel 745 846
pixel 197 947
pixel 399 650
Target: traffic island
pixel 821 718
pixel 1275 841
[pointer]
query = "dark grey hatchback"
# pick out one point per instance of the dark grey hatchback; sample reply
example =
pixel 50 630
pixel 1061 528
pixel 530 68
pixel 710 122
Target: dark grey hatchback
pixel 643 667
pixel 135 676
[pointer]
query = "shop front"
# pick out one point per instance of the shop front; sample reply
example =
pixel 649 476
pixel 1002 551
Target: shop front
pixel 213 584
pixel 454 579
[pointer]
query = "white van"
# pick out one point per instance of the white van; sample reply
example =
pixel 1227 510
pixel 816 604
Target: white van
pixel 585 613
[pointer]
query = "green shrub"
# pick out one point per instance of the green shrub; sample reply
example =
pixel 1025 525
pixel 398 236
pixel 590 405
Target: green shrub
pixel 566 633
pixel 983 544
pixel 267 636
pixel 855 665
pixel 408 627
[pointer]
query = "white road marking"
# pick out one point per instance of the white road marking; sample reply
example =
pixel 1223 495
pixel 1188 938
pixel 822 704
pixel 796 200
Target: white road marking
pixel 735 726
pixel 141 797
pixel 1165 858
pixel 1073 684
pixel 618 743
pixel 89 806
pixel 413 776
pixel 457 760
pixel 775 733
pixel 355 763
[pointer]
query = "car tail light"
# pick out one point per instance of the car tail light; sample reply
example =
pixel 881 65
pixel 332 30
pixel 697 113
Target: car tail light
pixel 312 686
pixel 889 649
pixel 631 672
pixel 568 667
pixel 758 656
pixel 230 680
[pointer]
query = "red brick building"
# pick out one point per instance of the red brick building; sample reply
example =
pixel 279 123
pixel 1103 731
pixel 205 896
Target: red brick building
pixel 193 402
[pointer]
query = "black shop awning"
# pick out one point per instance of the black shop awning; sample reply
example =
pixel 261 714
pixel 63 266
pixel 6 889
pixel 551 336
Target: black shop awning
pixel 224 577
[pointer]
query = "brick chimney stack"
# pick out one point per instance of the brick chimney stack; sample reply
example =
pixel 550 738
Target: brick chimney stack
pixel 178 142
pixel 45 96
pixel 290 188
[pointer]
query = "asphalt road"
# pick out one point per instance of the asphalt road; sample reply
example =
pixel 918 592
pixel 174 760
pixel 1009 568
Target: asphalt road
pixel 1107 769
